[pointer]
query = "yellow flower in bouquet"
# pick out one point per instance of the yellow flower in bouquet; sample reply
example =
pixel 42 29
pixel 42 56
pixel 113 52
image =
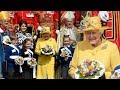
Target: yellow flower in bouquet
pixel 90 69
pixel 47 50
pixel 19 60
pixel 32 62
pixel 63 53
pixel 88 60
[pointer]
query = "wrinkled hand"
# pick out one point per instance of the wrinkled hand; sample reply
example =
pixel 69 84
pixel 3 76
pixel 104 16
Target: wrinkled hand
pixel 103 15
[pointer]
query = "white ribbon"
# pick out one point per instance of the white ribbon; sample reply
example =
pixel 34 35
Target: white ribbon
pixel 14 47
pixel 27 58
pixel 14 56
pixel 21 69
pixel 34 71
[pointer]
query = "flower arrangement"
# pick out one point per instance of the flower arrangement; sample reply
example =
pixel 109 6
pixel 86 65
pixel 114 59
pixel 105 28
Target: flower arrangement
pixel 89 70
pixel 32 62
pixel 19 60
pixel 47 50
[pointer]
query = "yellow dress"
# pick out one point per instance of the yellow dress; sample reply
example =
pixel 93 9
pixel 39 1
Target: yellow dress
pixel 45 67
pixel 106 53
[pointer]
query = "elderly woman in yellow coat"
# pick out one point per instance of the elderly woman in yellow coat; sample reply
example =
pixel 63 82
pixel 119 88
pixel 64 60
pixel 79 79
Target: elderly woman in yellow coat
pixel 94 47
pixel 45 67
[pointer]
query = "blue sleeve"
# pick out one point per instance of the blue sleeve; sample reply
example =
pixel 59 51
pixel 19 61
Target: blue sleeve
pixel 8 33
pixel 8 54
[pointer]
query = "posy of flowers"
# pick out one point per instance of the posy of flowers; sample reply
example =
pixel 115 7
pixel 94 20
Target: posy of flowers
pixel 90 69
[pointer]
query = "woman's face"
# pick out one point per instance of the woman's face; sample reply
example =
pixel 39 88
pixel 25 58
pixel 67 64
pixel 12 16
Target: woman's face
pixel 23 27
pixel 46 36
pixel 93 37
pixel 28 44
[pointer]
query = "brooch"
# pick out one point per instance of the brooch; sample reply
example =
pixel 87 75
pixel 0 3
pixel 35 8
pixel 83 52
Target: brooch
pixel 105 46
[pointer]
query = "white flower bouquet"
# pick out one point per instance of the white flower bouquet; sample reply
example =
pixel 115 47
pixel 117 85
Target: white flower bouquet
pixel 32 62
pixel 19 60
pixel 47 50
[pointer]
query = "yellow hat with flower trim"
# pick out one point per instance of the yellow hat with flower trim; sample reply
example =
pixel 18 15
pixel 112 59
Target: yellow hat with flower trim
pixel 92 23
pixel 45 30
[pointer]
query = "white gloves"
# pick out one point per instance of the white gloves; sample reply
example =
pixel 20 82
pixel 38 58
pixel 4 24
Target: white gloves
pixel 57 32
pixel 39 28
pixel 1 31
pixel 35 37
pixel 103 15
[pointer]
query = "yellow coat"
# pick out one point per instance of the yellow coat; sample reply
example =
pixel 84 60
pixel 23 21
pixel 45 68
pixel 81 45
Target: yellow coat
pixel 45 67
pixel 107 53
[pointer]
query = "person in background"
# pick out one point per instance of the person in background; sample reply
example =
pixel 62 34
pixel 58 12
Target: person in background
pixel 65 56
pixel 4 23
pixel 3 17
pixel 68 29
pixel 22 33
pixel 1 56
pixel 6 42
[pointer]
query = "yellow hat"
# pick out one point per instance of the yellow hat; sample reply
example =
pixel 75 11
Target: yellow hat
pixel 4 15
pixel 45 30
pixel 92 23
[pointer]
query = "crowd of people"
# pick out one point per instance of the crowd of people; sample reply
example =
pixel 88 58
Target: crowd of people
pixel 54 58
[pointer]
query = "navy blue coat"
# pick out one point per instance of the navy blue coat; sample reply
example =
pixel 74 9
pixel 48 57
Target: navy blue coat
pixel 63 62
pixel 9 52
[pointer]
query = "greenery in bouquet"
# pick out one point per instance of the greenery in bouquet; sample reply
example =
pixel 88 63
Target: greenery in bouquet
pixel 89 69
pixel 47 50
